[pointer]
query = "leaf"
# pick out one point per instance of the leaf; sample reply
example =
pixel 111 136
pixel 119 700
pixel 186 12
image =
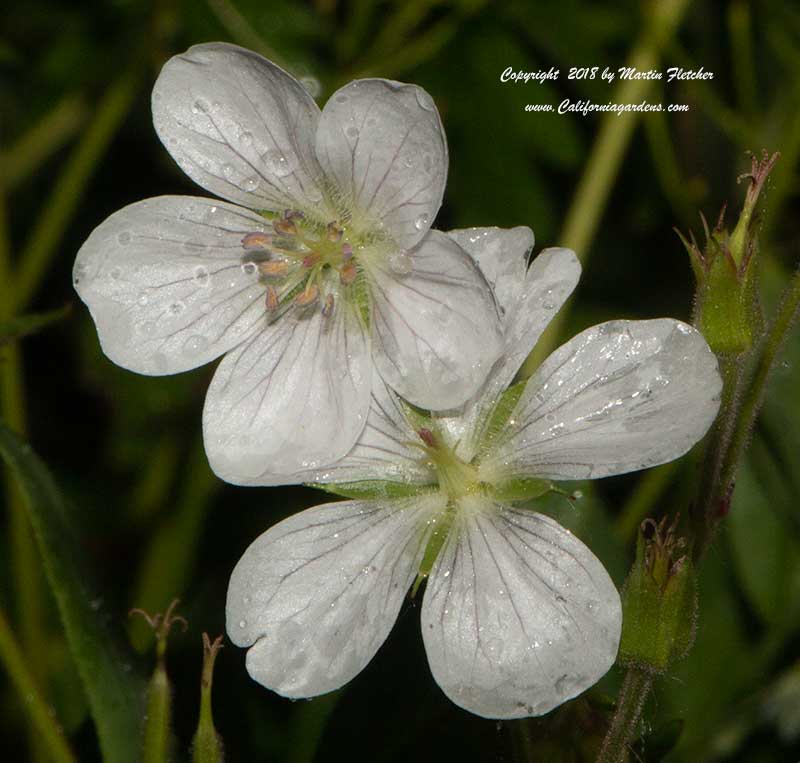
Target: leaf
pixel 24 325
pixel 115 693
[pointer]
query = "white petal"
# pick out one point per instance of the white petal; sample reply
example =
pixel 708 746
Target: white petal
pixel 502 255
pixel 166 285
pixel 620 396
pixel 384 451
pixel 293 398
pixel 239 126
pixel 383 144
pixel 519 615
pixel 316 596
pixel 528 302
pixel 437 325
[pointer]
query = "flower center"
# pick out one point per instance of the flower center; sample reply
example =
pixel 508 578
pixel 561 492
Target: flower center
pixel 301 263
pixel 456 477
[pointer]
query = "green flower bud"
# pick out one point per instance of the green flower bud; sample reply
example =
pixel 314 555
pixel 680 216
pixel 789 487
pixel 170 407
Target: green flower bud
pixel 727 309
pixel 207 743
pixel 659 600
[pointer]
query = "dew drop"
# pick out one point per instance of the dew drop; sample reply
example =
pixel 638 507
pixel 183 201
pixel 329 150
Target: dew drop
pixel 200 106
pixel 311 84
pixel 277 162
pixel 246 138
pixel 194 345
pixel 115 273
pixel 400 263
pixel 250 184
pixel 421 222
pixel 242 623
pixel 148 328
pixel 205 308
pixel 201 276
pixel 249 268
pixel 548 305
pixel 342 98
pixel 424 100
pixel 227 170
pixel 351 132
pixel 124 238
pixel 143 300
pixel 176 308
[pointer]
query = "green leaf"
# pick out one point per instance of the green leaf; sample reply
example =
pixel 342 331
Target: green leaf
pixel 24 325
pixel 367 489
pixel 115 693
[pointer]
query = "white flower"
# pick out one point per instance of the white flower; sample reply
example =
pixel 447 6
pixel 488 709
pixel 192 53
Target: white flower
pixel 518 615
pixel 323 261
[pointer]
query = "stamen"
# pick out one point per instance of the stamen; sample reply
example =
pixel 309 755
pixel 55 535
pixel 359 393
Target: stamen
pixel 293 214
pixel 310 260
pixel 428 437
pixel 335 232
pixel 348 273
pixel 308 296
pixel 272 299
pixel 347 252
pixel 285 227
pixel 327 310
pixel 257 240
pixel 274 268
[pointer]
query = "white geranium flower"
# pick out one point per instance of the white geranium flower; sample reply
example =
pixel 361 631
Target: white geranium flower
pixel 323 260
pixel 519 615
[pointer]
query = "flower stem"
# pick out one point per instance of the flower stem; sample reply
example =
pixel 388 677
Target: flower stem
pixel 49 734
pixel 773 343
pixel 635 689
pixel 607 153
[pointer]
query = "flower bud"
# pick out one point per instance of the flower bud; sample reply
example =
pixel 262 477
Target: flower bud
pixel 727 309
pixel 659 600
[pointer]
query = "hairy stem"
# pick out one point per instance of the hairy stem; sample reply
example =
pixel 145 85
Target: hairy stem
pixel 635 689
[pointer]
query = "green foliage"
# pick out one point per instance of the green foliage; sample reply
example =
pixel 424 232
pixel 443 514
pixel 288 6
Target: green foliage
pixel 114 693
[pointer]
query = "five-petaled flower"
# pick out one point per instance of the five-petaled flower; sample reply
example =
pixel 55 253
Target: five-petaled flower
pixel 319 264
pixel 518 615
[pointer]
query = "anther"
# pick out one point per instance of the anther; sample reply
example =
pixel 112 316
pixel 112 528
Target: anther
pixel 347 252
pixel 293 214
pixel 428 437
pixel 272 299
pixel 348 273
pixel 274 268
pixel 327 309
pixel 310 260
pixel 257 240
pixel 285 227
pixel 335 232
pixel 308 296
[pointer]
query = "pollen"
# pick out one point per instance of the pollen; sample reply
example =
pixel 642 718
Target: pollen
pixel 308 296
pixel 257 240
pixel 274 268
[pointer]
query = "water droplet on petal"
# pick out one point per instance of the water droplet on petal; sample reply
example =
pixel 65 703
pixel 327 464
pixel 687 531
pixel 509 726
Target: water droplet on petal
pixel 124 238
pixel 250 184
pixel 242 623
pixel 421 222
pixel 249 268
pixel 351 132
pixel 246 138
pixel 424 100
pixel 311 84
pixel 400 263
pixel 194 345
pixel 200 106
pixel 277 162
pixel 143 300
pixel 201 276
pixel 115 273
pixel 227 170
pixel 206 308
pixel 176 308
pixel 341 98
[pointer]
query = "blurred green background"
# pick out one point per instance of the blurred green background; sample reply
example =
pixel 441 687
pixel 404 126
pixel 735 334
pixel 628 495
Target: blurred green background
pixel 150 520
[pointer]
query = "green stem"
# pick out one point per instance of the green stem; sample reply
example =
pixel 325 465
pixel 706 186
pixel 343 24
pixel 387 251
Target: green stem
pixel 771 347
pixel 635 689
pixel 711 493
pixel 40 713
pixel 68 191
pixel 594 188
